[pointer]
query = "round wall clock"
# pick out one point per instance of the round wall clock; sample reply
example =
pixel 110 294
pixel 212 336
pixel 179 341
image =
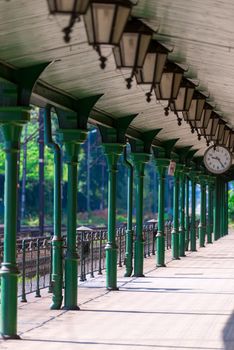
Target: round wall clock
pixel 217 159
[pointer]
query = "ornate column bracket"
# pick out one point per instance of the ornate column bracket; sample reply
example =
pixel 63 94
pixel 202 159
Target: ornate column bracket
pixel 140 156
pixel 113 143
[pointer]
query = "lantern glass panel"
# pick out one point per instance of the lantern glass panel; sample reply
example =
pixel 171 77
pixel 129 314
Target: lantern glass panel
pixel 226 136
pixel 221 132
pixel 68 6
pixel 203 122
pixel 133 45
pixel 105 22
pixel 195 110
pixel 169 86
pixel 183 101
pixel 152 69
pixel 144 44
pixel 128 49
pixel 231 140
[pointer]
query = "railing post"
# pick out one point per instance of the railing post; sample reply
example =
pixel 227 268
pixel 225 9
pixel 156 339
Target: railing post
pixel 100 255
pixel 38 295
pixel 23 296
pixel 91 272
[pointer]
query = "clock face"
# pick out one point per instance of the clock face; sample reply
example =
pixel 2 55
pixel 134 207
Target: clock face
pixel 217 159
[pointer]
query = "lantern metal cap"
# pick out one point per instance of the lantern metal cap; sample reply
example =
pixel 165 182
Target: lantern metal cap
pixel 156 47
pixel 136 25
pixel 172 66
pixel 125 3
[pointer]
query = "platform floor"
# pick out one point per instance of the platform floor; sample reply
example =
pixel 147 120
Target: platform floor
pixel 187 305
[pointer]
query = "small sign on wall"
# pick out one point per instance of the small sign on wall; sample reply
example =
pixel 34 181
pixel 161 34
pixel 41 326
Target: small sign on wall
pixel 172 168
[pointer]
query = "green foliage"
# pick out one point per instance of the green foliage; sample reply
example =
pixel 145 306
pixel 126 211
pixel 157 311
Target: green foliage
pixel 231 205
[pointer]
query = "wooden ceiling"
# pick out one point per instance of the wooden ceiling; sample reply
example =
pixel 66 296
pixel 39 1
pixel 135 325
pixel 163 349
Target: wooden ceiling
pixel 200 32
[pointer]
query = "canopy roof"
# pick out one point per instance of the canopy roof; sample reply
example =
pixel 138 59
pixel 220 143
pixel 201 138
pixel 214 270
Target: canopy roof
pixel 200 32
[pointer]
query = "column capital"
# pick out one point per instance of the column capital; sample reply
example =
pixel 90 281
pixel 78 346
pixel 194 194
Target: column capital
pixel 140 157
pixel 75 136
pixel 162 162
pixel 14 115
pixel 113 148
pixel 203 179
pixel 112 152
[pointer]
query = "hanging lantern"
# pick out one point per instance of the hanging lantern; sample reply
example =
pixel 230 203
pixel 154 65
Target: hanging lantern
pixel 152 70
pixel 195 110
pixel 203 122
pixel 169 86
pixel 105 21
pixel 211 129
pixel 230 144
pixel 74 8
pixel 226 135
pixel 184 98
pixel 219 133
pixel 133 47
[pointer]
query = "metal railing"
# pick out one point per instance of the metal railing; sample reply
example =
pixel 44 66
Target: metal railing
pixel 34 256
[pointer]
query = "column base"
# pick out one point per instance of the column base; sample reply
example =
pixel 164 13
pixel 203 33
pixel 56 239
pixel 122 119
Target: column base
pixel 138 275
pixel 175 258
pixel 161 265
pixel 8 337
pixel 112 289
pixel 128 274
pixel 71 308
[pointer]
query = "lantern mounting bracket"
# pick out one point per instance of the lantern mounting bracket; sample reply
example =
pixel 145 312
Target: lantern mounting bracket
pixel 67 30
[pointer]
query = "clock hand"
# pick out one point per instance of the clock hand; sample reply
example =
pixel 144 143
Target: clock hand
pixel 218 159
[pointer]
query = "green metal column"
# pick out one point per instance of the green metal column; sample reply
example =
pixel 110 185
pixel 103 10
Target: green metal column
pixel 182 214
pixel 57 241
pixel 72 140
pixel 160 238
pixel 226 206
pixel 129 231
pixel 210 210
pixel 112 152
pixel 202 224
pixel 175 231
pixel 187 219
pixel 139 161
pixel 216 210
pixel 12 121
pixel 193 238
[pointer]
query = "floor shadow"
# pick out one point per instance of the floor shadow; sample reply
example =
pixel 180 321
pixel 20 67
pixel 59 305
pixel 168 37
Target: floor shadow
pixel 137 345
pixel 228 334
pixel 156 312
